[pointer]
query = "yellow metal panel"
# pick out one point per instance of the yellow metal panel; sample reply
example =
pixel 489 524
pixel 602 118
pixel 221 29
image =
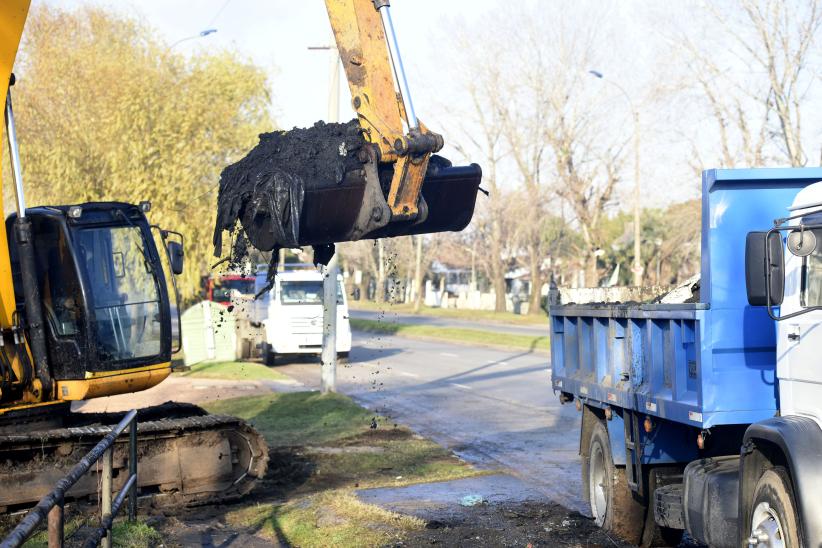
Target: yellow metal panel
pixel 4 410
pixel 113 384
pixel 364 53
pixel 12 19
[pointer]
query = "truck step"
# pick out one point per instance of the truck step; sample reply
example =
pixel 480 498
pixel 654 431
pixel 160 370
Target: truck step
pixel 668 507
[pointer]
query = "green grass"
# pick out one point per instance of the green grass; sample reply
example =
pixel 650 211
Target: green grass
pixel 454 334
pixel 456 313
pixel 335 518
pixel 138 534
pixel 235 371
pixel 124 534
pixel 333 437
pixel 298 418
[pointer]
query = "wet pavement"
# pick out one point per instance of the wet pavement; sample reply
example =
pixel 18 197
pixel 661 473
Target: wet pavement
pixel 417 319
pixel 441 499
pixel 491 407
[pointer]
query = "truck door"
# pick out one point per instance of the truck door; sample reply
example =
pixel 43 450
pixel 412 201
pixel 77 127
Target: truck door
pixel 799 339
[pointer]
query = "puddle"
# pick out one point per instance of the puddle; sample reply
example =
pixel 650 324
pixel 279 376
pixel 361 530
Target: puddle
pixel 429 500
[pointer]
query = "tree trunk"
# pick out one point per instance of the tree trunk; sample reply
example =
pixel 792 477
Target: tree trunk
pixel 418 277
pixel 536 281
pixel 591 273
pixel 497 267
pixel 379 295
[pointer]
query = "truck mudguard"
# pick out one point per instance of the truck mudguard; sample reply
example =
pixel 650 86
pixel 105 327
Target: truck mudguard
pixel 800 441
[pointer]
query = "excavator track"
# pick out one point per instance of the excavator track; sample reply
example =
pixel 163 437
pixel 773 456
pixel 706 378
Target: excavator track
pixel 185 458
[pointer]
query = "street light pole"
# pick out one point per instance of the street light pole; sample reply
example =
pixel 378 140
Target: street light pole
pixel 328 373
pixel 636 268
pixel 200 34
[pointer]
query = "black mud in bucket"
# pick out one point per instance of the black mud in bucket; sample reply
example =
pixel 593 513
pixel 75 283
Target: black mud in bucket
pixel 449 196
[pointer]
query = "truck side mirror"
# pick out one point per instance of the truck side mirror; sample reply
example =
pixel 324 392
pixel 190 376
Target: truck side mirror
pixel 175 257
pixel 764 268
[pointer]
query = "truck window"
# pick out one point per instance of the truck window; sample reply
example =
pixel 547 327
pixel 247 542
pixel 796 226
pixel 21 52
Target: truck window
pixel 812 276
pixel 304 292
pixel 223 289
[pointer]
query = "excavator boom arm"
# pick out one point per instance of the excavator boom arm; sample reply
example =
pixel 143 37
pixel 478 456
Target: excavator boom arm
pixel 367 58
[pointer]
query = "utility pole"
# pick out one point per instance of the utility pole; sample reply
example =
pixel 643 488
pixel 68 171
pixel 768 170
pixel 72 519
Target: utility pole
pixel 328 375
pixel 636 268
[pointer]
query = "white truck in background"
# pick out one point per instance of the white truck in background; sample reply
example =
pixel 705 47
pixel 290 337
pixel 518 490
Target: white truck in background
pixel 291 313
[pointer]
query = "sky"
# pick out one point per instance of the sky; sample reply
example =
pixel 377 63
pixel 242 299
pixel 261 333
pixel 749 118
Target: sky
pixel 276 35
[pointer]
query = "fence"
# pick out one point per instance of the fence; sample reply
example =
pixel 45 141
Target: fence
pixel 51 506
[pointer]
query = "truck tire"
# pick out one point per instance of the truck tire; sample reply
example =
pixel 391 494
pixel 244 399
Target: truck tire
pixel 613 505
pixel 774 520
pixel 269 356
pixel 342 357
pixel 653 534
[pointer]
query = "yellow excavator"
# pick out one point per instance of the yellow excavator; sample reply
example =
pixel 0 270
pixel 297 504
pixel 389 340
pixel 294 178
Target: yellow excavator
pixel 86 290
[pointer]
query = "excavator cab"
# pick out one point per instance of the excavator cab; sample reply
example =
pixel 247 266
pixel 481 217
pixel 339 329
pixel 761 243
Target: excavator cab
pixel 102 283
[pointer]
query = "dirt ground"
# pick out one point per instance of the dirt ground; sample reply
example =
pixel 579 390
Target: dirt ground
pixel 525 524
pixel 293 474
pixel 188 390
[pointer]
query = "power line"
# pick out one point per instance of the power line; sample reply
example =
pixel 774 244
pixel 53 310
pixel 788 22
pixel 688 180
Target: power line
pixel 219 11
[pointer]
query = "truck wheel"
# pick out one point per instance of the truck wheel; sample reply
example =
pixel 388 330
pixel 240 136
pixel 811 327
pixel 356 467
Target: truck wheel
pixel 342 357
pixel 774 521
pixel 269 356
pixel 612 503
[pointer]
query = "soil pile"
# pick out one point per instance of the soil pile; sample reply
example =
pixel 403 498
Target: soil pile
pixel 264 191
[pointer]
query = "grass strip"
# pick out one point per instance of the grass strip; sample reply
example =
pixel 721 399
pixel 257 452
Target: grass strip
pixel 234 371
pixel 323 448
pixel 454 334
pixel 540 319
pixel 298 418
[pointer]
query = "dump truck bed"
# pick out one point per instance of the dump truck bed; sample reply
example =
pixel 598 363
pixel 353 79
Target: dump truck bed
pixel 702 364
pixel 662 361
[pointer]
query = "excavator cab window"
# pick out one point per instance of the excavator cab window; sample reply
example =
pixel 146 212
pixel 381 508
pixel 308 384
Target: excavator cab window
pixel 126 298
pixel 59 286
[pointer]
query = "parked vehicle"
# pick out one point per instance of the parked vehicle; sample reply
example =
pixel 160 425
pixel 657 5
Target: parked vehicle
pixel 292 313
pixel 706 416
pixel 218 287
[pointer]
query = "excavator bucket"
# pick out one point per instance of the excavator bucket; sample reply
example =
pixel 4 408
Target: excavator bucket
pixel 349 212
pixel 325 184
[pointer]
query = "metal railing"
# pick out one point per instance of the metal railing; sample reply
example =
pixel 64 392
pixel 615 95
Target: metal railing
pixel 51 506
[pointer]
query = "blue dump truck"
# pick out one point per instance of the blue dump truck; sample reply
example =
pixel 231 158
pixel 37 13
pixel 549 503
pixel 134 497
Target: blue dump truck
pixel 706 416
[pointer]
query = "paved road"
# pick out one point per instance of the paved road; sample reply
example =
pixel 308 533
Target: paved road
pixel 415 319
pixel 493 408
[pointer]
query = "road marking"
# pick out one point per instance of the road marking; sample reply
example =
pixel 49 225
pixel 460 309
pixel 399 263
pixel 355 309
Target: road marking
pixel 449 355
pixel 458 385
pixel 407 374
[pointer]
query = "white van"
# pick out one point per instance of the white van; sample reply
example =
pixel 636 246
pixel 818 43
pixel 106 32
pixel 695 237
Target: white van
pixel 291 313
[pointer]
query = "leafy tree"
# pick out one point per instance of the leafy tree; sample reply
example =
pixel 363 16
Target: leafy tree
pixel 107 111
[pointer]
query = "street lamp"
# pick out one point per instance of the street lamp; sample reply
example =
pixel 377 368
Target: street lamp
pixel 200 34
pixel 637 266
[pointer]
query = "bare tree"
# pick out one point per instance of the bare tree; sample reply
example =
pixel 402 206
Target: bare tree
pixel 554 128
pixel 481 140
pixel 752 72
